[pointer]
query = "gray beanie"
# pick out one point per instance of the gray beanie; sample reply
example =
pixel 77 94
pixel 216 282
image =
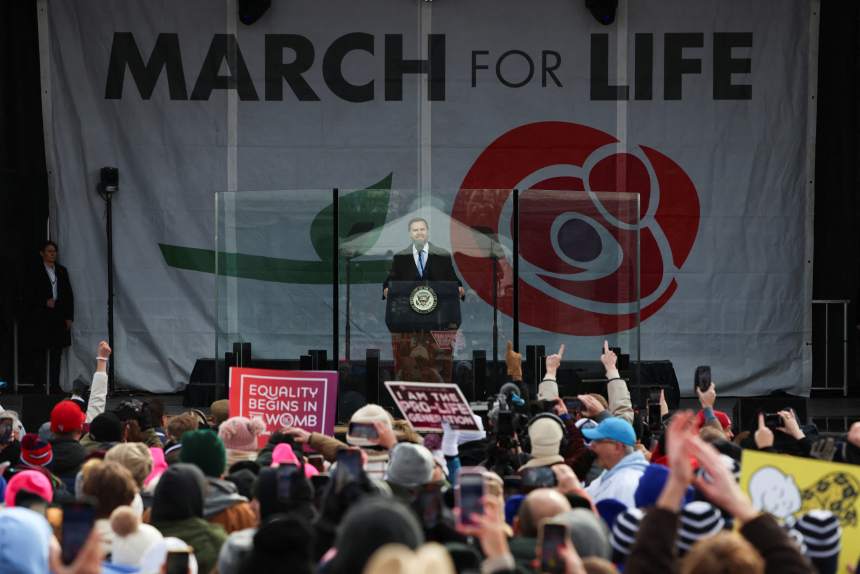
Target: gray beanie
pixel 409 465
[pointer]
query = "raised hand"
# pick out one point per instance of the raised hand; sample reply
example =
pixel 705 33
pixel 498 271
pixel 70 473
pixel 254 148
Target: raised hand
pixel 592 406
pixel 722 490
pixel 709 397
pixel 514 361
pixel 554 361
pixel 763 436
pixel 790 425
pixel 608 358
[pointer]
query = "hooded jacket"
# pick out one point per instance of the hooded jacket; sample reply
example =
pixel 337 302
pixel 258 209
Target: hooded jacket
pixel 177 510
pixel 68 456
pixel 225 506
pixel 620 483
pixel 222 505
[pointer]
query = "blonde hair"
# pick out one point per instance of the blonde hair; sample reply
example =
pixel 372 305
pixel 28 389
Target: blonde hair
pixel 596 565
pixel 724 553
pixel 710 434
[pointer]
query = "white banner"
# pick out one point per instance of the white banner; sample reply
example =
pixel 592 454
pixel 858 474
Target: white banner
pixel 704 109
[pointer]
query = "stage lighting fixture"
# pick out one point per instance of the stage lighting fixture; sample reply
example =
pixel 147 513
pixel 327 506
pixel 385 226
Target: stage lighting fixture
pixel 602 10
pixel 251 10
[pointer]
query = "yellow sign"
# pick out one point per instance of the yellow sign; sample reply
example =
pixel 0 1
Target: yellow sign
pixel 790 486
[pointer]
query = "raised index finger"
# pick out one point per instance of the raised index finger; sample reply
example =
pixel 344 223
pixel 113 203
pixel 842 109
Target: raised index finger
pixel 510 346
pixel 560 352
pixel 605 347
pixel 761 421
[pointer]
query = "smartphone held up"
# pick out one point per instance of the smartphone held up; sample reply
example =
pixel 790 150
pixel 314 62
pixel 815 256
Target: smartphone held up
pixel 703 378
pixel 551 536
pixel 468 495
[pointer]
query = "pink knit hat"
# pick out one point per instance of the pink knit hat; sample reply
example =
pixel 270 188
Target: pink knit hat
pixel 240 433
pixel 159 465
pixel 29 480
pixel 284 453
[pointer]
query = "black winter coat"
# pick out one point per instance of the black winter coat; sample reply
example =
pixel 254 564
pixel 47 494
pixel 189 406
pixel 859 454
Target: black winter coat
pixel 49 325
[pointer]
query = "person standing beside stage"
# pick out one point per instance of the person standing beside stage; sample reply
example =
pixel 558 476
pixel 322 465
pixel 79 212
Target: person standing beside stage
pixel 52 304
pixel 421 261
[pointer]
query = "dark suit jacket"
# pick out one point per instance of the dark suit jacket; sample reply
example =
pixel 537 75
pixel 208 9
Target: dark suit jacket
pixel 439 267
pixel 49 325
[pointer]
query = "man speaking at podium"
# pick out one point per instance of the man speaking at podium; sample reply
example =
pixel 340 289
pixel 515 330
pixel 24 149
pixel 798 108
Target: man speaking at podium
pixel 422 260
pixel 421 359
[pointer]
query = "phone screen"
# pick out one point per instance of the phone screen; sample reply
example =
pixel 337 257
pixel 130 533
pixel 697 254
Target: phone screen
pixel 5 431
pixel 428 504
pixel 469 495
pixel 348 468
pixel 574 405
pixel 703 378
pixel 541 477
pixel 78 520
pixel 177 562
pixel 654 422
pixel 552 536
pixel 363 430
pixel 285 481
pixel 773 421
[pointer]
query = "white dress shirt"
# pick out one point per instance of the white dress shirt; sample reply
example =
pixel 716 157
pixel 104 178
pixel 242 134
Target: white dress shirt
pixel 426 251
pixel 53 276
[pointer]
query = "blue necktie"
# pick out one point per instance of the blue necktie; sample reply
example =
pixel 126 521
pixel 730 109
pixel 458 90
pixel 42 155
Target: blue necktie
pixel 421 263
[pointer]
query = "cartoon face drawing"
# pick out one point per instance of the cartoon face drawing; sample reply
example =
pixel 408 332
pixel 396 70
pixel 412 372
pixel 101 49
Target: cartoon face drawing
pixel 774 492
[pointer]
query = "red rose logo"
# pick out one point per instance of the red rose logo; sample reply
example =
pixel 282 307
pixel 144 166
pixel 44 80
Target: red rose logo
pixel 577 255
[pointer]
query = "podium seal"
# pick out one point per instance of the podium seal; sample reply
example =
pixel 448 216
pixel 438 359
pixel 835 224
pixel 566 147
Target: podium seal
pixel 423 300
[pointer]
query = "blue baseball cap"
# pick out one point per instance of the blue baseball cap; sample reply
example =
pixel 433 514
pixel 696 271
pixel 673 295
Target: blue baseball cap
pixel 615 428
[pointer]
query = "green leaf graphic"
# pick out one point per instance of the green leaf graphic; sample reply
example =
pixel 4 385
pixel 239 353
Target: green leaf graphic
pixel 370 204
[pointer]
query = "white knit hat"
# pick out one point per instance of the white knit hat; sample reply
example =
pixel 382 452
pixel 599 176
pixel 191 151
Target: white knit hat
pixel 130 537
pixel 156 555
pixel 545 435
pixel 367 414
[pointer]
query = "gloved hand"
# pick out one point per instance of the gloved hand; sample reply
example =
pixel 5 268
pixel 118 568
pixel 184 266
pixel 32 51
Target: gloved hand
pixel 449 440
pixel 514 361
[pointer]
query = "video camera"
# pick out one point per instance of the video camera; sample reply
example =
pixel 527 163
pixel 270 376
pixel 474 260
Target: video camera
pixel 508 420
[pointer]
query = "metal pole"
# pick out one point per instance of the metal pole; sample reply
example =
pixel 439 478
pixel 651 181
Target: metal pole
pixel 845 350
pixel 495 323
pixel 15 350
pixel 335 281
pixel 347 310
pixel 516 234
pixel 111 381
pixel 826 344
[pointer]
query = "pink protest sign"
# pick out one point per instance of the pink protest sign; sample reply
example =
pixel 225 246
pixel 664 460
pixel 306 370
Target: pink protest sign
pixel 427 405
pixel 304 399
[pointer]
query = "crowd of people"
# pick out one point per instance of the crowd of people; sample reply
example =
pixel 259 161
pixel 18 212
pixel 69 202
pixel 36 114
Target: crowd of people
pixel 192 495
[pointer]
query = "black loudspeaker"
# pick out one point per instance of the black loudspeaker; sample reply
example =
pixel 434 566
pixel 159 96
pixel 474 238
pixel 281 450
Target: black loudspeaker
pixel 306 363
pixel 746 407
pixel 322 360
pixel 36 410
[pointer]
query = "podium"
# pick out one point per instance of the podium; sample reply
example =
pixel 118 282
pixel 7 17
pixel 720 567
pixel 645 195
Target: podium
pixel 401 315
